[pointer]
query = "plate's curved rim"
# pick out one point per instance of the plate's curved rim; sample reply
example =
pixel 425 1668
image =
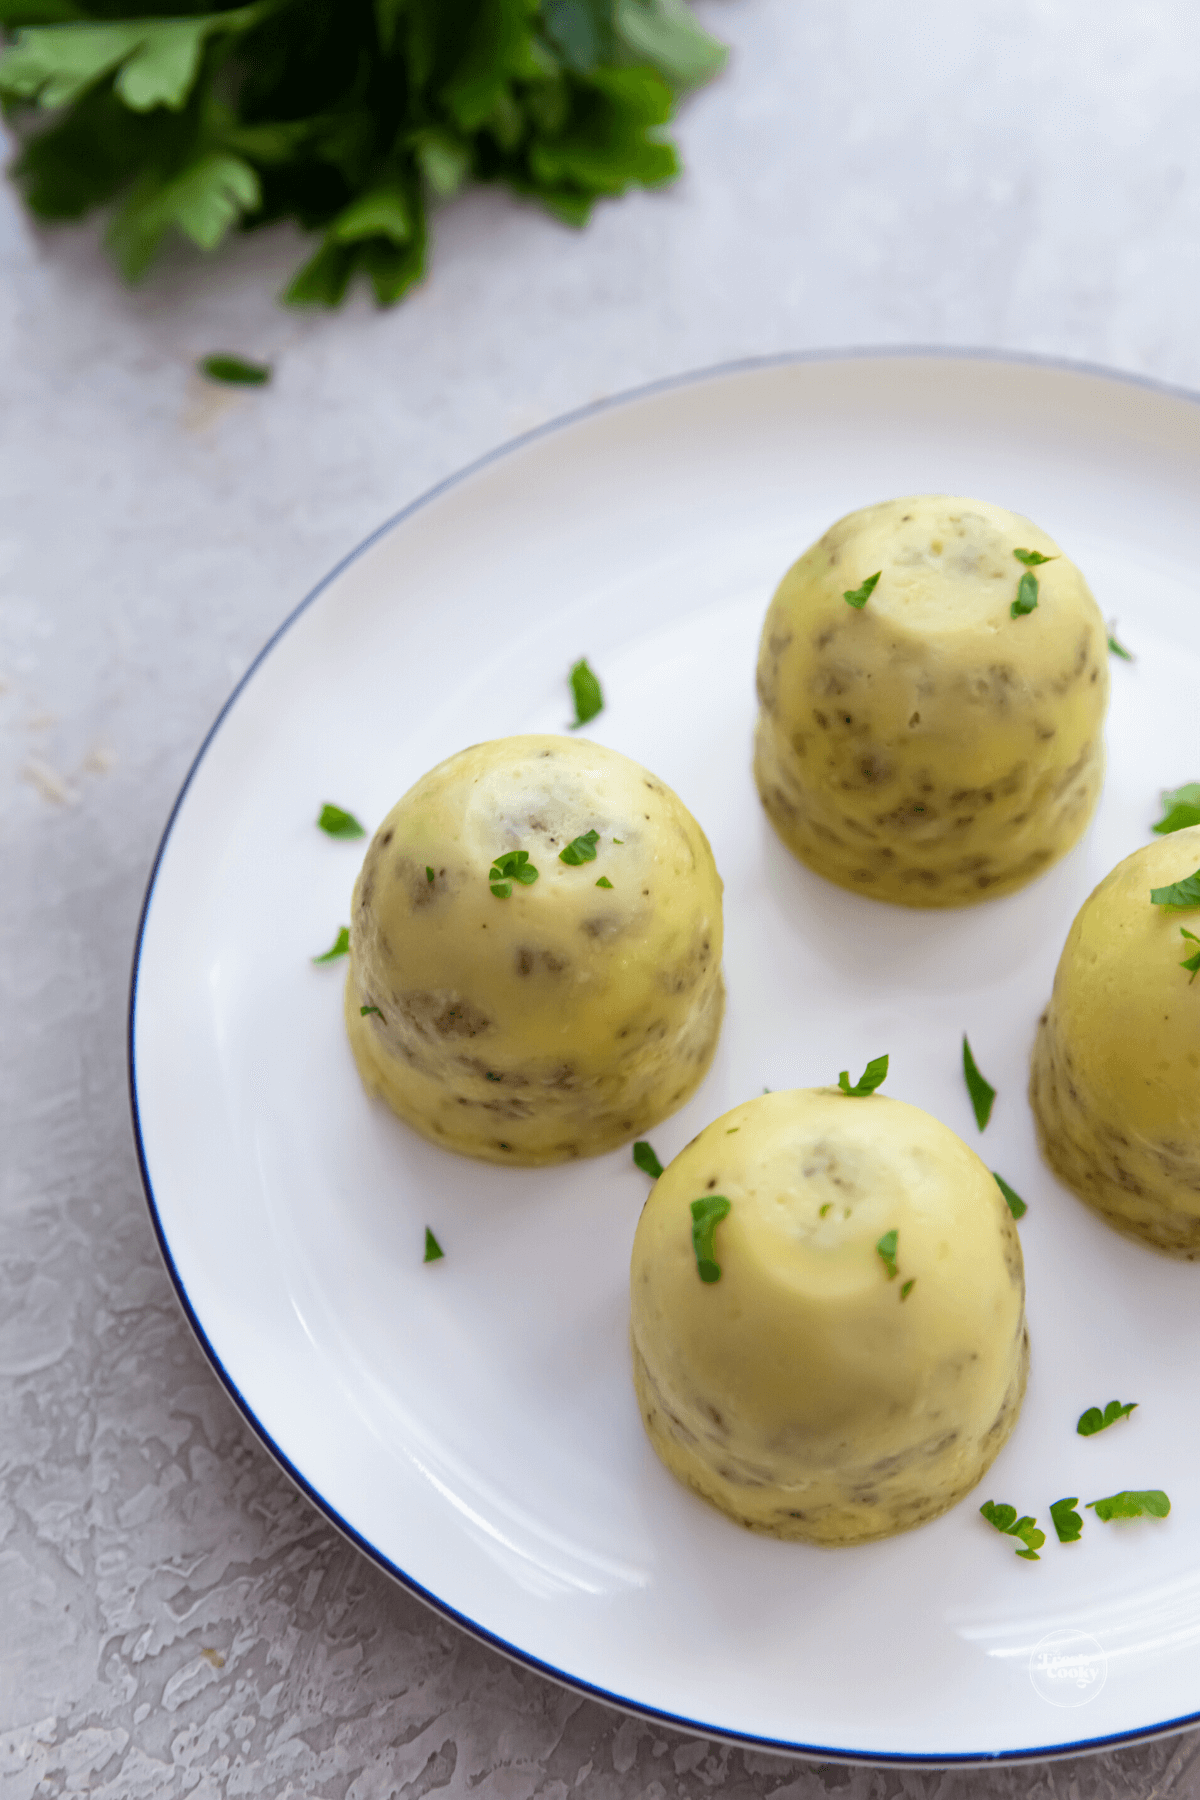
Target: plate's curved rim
pixel 694 377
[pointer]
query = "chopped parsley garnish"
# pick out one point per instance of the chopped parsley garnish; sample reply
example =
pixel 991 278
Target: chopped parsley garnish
pixel 908 1287
pixel 514 865
pixel 588 698
pixel 580 849
pixel 364 1010
pixel 339 947
pixel 1181 808
pixel 1016 1205
pixel 1005 1519
pixel 886 1251
pixel 339 823
pixel 433 1250
pixel 1033 559
pixel 235 370
pixel 429 874
pixel 1180 893
pixel 644 1157
pixel 1027 595
pixel 604 882
pixel 618 840
pixel 1132 1503
pixel 859 596
pixel 492 1077
pixel 1116 648
pixel 1093 1420
pixel 982 1092
pixel 873 1076
pixel 1191 962
pixel 821 1211
pixel 707 1214
pixel 1067 1521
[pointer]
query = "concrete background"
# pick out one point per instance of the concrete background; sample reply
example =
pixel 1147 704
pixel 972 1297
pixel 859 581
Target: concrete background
pixel 174 1618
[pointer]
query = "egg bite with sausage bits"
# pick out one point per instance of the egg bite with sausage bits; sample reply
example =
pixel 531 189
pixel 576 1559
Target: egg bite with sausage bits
pixel 933 680
pixel 1115 1078
pixel 535 952
pixel 828 1316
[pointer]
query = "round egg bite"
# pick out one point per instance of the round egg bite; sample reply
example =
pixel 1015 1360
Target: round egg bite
pixel 928 746
pixel 861 1354
pixel 522 1008
pixel 1115 1077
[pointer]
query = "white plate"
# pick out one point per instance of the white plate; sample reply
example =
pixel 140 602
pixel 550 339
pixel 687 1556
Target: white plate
pixel 471 1424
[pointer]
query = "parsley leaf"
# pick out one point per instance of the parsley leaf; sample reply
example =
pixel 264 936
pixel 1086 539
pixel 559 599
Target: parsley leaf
pixel 886 1250
pixel 1005 1519
pixel 1116 648
pixel 586 691
pixel 873 1076
pixel 339 824
pixel 1033 558
pixel 235 370
pixel 907 1287
pixel 1027 595
pixel 1093 1420
pixel 1016 1205
pixel 858 597
pixel 646 1160
pixel 513 865
pixel 339 947
pixel 982 1092
pixel 350 119
pixel 433 1250
pixel 1179 893
pixel 1067 1521
pixel 604 882
pixel 707 1214
pixel 1191 962
pixel 1181 808
pixel 580 849
pixel 429 874
pixel 1132 1504
pixel 364 1010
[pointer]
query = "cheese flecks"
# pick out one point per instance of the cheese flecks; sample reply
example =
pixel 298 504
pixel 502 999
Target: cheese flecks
pixel 1115 1075
pixel 558 1020
pixel 799 1392
pixel 927 747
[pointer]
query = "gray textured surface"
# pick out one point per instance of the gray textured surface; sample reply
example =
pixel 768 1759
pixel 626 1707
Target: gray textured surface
pixel 174 1618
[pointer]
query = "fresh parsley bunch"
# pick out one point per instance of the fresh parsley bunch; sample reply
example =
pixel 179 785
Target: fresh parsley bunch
pixel 349 116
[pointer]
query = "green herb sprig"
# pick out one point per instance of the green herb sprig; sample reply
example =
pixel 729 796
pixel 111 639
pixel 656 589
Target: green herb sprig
pixel 1116 648
pixel 1033 559
pixel 1013 1200
pixel 1093 1420
pixel 234 371
pixel 1132 1504
pixel 1191 962
pixel 1066 1521
pixel 352 119
pixel 644 1157
pixel 339 947
pixel 513 865
pixel 364 1010
pixel 1181 808
pixel 1025 602
pixel 433 1250
pixel 982 1092
pixel 886 1249
pixel 707 1213
pixel 1178 893
pixel 873 1076
pixel 580 849
pixel 1005 1519
pixel 586 692
pixel 334 820
pixel 858 597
